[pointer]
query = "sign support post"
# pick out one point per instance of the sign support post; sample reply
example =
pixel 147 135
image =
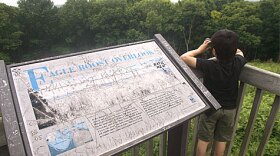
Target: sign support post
pixel 11 125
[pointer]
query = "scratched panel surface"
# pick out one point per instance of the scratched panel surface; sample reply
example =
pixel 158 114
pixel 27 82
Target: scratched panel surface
pixel 96 102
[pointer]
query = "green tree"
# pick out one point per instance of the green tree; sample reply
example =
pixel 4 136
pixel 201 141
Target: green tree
pixel 109 22
pixel 243 18
pixel 10 32
pixel 193 16
pixel 84 24
pixel 74 25
pixel 158 16
pixel 38 19
pixel 270 15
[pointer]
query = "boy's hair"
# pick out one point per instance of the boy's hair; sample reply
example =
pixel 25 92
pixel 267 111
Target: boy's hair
pixel 225 43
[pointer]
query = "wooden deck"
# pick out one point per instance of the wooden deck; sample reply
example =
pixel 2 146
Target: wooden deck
pixel 180 143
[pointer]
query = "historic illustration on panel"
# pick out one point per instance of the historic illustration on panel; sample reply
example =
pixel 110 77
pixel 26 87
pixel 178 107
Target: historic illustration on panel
pixel 45 115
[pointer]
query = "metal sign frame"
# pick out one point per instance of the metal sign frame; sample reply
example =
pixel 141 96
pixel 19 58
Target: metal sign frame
pixel 13 122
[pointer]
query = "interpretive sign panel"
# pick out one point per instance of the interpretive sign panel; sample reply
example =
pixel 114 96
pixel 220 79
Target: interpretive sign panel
pixel 99 103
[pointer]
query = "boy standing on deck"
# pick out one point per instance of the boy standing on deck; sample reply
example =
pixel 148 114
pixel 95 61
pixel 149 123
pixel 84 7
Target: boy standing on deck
pixel 221 79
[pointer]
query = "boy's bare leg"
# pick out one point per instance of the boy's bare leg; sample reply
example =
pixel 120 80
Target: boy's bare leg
pixel 220 148
pixel 201 148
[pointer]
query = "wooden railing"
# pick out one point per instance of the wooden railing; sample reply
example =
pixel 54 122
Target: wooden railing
pixel 181 140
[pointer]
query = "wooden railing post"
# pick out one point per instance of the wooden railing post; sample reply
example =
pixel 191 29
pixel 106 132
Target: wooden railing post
pixel 177 140
pixel 252 119
pixel 269 125
pixel 149 147
pixel 135 151
pixel 11 125
pixel 194 138
pixel 241 93
pixel 162 144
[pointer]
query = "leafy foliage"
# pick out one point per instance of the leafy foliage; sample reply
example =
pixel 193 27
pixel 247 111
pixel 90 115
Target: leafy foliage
pixel 270 15
pixel 74 25
pixel 10 33
pixel 108 21
pixel 242 18
pixel 37 28
pixel 38 21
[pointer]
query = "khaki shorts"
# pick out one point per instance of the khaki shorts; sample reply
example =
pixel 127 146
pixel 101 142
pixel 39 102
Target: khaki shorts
pixel 219 125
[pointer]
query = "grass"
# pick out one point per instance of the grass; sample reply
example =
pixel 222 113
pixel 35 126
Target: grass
pixel 270 66
pixel 272 147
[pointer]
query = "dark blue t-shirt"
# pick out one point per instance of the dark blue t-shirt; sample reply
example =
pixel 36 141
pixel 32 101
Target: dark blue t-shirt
pixel 221 79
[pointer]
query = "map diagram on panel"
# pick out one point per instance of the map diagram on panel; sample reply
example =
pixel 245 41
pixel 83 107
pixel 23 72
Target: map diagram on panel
pixel 93 103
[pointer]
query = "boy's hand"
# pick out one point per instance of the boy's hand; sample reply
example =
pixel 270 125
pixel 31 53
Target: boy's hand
pixel 204 46
pixel 189 57
pixel 239 52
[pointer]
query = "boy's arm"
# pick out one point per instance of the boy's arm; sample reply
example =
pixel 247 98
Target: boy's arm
pixel 189 57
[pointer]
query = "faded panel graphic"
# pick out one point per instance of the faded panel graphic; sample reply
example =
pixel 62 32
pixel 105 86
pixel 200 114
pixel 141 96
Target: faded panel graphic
pixel 68 138
pixel 44 114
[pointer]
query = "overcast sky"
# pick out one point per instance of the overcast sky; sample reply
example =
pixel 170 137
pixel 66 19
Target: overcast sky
pixel 58 2
pixel 14 2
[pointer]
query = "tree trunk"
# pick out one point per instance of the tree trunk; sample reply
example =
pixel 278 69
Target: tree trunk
pixel 190 33
pixel 187 41
pixel 278 60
